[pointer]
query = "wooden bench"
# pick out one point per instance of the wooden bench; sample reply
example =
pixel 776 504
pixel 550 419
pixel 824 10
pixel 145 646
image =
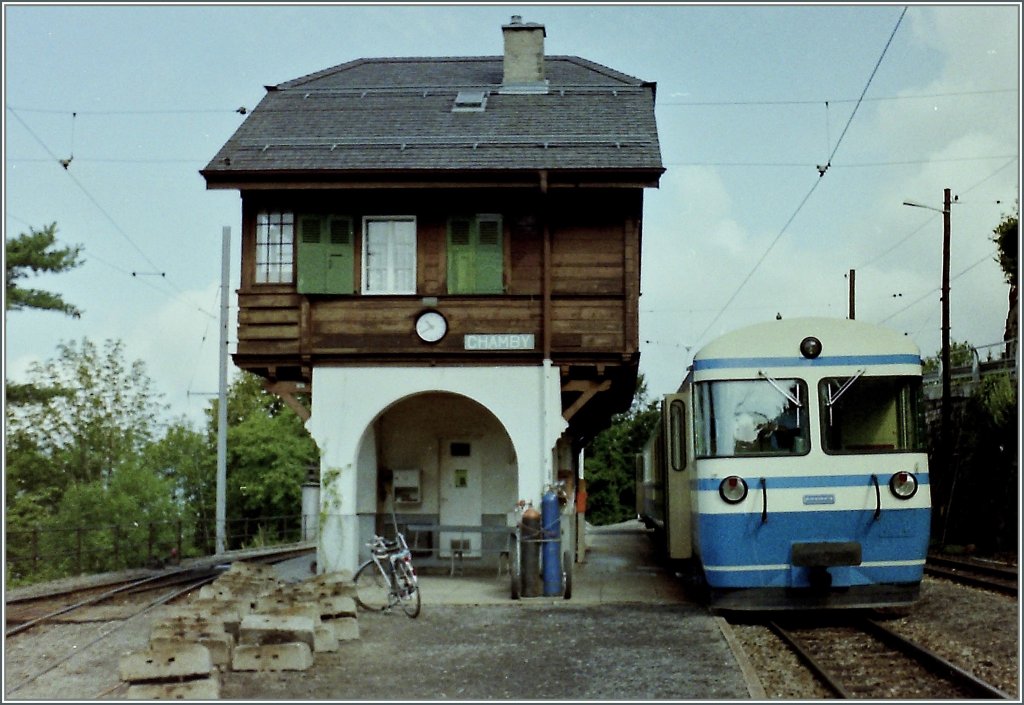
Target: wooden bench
pixel 455 560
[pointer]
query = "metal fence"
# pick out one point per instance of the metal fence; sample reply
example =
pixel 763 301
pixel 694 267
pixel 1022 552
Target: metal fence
pixel 47 553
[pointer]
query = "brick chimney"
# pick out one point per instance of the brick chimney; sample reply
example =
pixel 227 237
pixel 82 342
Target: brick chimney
pixel 524 57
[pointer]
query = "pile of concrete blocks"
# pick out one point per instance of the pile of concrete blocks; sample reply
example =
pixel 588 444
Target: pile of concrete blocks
pixel 246 620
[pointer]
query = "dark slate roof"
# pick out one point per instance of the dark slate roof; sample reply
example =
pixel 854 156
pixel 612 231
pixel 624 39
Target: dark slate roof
pixel 386 115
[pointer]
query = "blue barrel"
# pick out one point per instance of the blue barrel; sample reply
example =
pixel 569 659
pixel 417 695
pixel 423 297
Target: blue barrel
pixel 550 516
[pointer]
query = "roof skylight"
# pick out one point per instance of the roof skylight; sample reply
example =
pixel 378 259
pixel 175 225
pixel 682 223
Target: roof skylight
pixel 470 102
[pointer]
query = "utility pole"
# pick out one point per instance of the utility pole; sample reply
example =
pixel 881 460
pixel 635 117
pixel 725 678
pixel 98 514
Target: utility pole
pixel 945 451
pixel 853 294
pixel 946 368
pixel 222 406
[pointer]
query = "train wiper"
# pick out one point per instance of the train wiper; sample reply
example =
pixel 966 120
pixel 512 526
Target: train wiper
pixel 784 392
pixel 832 399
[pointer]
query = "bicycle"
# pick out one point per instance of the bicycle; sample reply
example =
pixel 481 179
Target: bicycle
pixel 388 577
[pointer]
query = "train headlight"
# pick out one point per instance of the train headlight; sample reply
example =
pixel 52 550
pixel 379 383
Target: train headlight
pixel 810 347
pixel 733 489
pixel 903 485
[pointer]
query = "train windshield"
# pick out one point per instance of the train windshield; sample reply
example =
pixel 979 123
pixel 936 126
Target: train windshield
pixel 751 417
pixel 871 414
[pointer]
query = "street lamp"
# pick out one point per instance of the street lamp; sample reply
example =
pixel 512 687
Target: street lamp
pixel 946 371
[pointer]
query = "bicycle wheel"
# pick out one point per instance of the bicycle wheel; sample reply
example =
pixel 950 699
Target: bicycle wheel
pixel 372 588
pixel 410 591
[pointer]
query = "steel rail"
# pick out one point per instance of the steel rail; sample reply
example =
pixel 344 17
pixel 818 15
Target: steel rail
pixel 126 588
pixel 975 580
pixel 927 659
pixel 155 603
pixel 933 662
pixel 803 653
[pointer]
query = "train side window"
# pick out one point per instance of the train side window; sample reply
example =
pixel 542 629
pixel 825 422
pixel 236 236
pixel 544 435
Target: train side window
pixel 677 434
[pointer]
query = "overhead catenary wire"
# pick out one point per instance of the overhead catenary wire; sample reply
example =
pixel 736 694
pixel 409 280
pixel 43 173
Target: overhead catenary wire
pixel 104 212
pixel 928 293
pixel 755 103
pixel 931 218
pixel 807 197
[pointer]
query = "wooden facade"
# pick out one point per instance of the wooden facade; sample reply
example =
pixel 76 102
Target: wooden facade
pixel 569 278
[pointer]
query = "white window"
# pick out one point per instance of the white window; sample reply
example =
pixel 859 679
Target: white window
pixel 389 255
pixel 274 247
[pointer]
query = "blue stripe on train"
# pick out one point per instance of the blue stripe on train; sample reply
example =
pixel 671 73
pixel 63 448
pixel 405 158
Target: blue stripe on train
pixel 787 483
pixel 724 363
pixel 738 550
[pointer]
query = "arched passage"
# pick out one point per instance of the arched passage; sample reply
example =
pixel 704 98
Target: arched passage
pixel 369 422
pixel 437 458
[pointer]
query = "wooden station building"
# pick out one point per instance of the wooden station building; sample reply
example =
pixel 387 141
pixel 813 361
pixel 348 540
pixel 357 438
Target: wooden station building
pixel 443 254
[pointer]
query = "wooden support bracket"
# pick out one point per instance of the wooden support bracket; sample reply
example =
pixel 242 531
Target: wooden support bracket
pixel 587 389
pixel 287 392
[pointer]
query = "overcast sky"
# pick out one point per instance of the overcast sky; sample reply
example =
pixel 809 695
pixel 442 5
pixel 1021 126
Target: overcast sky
pixel 750 100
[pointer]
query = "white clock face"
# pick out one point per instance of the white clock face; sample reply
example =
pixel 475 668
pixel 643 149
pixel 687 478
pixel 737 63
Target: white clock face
pixel 431 326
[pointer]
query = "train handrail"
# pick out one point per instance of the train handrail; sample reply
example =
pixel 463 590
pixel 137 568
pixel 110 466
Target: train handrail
pixel 878 497
pixel 764 501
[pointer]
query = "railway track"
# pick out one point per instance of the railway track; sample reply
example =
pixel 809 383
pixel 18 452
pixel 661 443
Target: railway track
pixel 24 612
pixel 860 658
pixel 989 576
pixel 134 597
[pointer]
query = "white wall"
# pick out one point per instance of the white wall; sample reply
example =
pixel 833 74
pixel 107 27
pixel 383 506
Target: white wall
pixel 525 401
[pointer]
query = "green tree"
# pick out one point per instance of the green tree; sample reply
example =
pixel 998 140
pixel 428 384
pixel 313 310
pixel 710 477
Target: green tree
pixel 31 254
pixel 35 253
pixel 129 519
pixel 1004 236
pixel 610 460
pixel 75 462
pixel 187 459
pixel 106 417
pixel 982 505
pixel 269 456
pixel 961 354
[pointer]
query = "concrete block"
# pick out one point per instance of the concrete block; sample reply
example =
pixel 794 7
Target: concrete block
pixel 294 656
pixel 228 613
pixel 324 639
pixel 181 660
pixel 279 601
pixel 202 689
pixel 276 629
pixel 345 628
pixel 188 622
pixel 219 644
pixel 297 609
pixel 337 606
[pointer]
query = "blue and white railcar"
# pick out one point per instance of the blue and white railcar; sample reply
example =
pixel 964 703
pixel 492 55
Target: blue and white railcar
pixel 791 466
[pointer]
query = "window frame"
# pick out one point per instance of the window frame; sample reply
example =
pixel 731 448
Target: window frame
pixel 391 289
pixel 912 417
pixel 282 242
pixel 705 423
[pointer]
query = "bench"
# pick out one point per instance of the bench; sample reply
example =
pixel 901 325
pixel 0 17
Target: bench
pixel 457 554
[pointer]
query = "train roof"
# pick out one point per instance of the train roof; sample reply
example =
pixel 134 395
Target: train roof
pixel 777 343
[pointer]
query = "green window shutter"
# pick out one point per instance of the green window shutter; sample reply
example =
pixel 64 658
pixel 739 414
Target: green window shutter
pixel 489 257
pixel 326 257
pixel 460 256
pixel 340 278
pixel 311 263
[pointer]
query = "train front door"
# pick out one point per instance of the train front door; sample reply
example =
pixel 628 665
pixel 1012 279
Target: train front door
pixel 461 497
